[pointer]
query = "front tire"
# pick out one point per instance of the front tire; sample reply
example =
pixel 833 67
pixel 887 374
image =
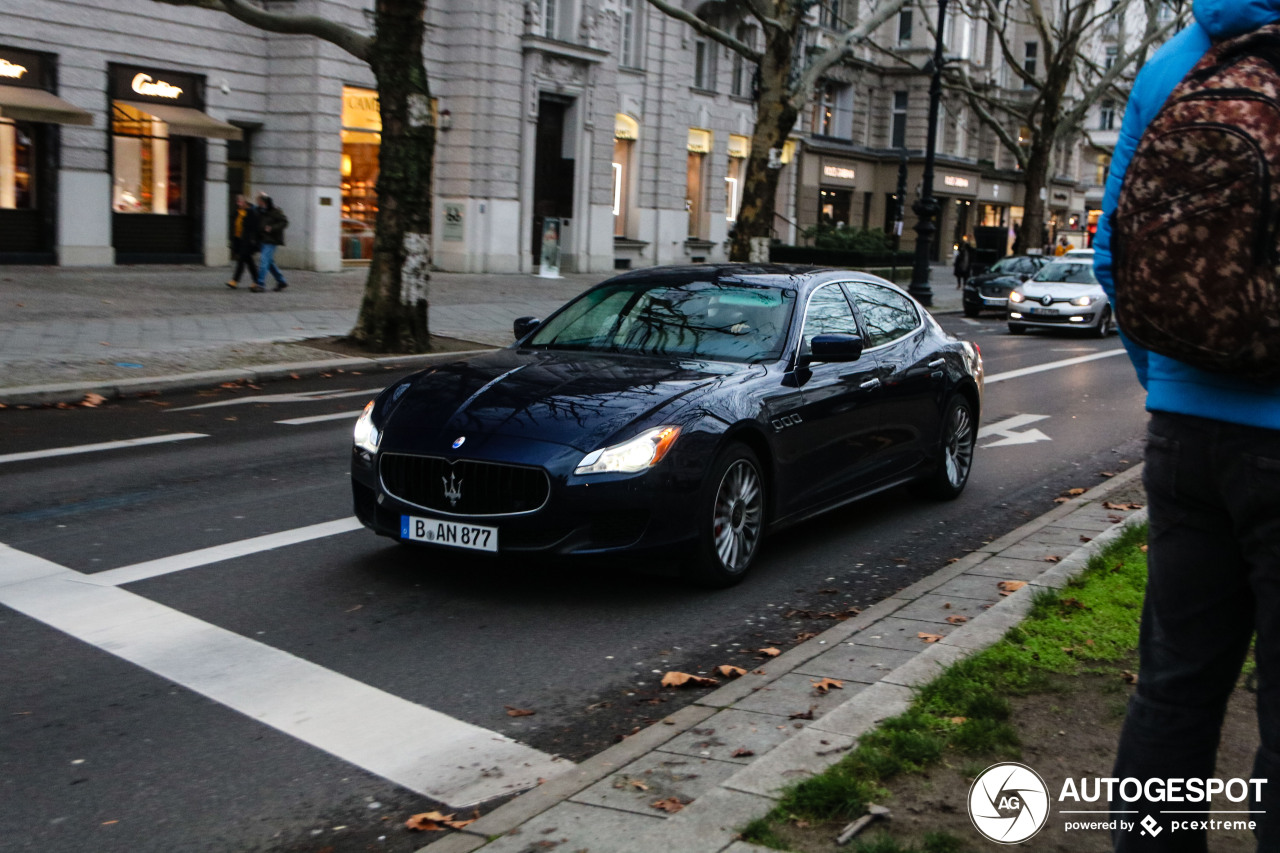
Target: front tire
pixel 971 311
pixel 730 519
pixel 955 452
pixel 1104 324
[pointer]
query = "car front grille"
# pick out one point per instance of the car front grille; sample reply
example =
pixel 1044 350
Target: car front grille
pixel 464 486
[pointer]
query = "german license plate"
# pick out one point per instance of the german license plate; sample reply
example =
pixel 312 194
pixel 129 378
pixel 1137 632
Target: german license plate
pixel 452 533
pixel 1044 312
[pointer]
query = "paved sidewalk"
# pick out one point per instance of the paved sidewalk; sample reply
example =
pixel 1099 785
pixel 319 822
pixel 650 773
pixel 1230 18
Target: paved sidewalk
pixel 124 330
pixel 728 755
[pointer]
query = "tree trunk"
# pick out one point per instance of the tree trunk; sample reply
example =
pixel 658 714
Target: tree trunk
pixel 393 313
pixel 1035 180
pixel 776 114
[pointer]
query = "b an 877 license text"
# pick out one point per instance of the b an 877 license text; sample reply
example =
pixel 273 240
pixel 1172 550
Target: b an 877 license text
pixel 451 533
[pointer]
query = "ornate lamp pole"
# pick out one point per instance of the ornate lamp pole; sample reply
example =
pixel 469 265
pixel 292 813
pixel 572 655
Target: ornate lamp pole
pixel 926 207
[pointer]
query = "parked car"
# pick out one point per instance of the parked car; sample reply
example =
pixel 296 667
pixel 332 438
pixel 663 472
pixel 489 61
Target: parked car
pixel 684 410
pixel 989 290
pixel 1079 254
pixel 1063 294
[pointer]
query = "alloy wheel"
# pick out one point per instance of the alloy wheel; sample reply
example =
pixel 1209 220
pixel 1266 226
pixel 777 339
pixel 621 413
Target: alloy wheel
pixel 739 515
pixel 958 450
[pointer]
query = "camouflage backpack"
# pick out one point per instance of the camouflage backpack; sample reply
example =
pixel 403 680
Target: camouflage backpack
pixel 1196 242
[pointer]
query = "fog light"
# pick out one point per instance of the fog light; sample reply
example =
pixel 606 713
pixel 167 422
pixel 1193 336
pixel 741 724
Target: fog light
pixel 1075 319
pixel 1014 315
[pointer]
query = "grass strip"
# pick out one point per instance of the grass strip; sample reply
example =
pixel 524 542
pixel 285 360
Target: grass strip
pixel 1089 623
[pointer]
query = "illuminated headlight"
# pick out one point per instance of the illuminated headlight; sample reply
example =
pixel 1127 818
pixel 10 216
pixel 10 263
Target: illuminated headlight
pixel 643 451
pixel 1082 301
pixel 367 435
pixel 1015 296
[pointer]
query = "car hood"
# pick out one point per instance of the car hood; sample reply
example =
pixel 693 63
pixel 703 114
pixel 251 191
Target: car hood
pixel 1036 289
pixel 566 398
pixel 1001 278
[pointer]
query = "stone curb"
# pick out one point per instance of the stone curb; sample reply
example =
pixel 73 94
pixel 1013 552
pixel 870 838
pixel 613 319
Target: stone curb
pixel 75 391
pixel 825 740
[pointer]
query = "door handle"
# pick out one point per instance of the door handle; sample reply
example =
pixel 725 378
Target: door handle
pixel 938 362
pixel 869 384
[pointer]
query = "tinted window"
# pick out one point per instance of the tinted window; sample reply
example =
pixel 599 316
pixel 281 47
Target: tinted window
pixel 887 314
pixel 694 320
pixel 828 314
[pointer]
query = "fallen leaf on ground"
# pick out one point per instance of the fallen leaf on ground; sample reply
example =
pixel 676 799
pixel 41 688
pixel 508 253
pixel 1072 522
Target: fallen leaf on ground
pixel 769 652
pixel 1007 587
pixel 519 712
pixel 92 400
pixel 929 638
pixel 1106 473
pixel 802 715
pixel 670 805
pixel 805 635
pixel 730 671
pixel 743 752
pixel 959 720
pixel 428 822
pixel 957 620
pixel 1084 538
pixel 1061 500
pixel 827 684
pixel 1129 677
pixel 1073 492
pixel 1053 558
pixel 1120 506
pixel 1142 548
pixel 953 560
pixel 680 679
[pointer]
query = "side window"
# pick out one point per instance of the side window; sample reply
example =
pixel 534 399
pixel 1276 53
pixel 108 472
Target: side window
pixel 888 315
pixel 828 314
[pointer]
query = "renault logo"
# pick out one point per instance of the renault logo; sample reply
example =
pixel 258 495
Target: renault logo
pixel 459 441
pixel 1047 299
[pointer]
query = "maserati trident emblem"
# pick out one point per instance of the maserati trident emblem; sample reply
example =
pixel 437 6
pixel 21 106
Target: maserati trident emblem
pixel 452 489
pixel 459 441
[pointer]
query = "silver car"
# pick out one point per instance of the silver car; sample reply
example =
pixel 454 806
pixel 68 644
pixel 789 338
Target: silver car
pixel 1063 294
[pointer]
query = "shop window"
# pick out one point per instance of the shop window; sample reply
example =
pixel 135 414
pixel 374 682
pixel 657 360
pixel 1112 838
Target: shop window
pixel 361 141
pixel 625 132
pixel 739 148
pixel 833 206
pixel 149 168
pixel 695 185
pixel 17 166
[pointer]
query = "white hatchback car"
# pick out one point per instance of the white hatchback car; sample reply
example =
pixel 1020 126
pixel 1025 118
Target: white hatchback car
pixel 1063 294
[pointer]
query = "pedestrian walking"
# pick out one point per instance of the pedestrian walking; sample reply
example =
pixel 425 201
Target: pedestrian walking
pixel 1213 442
pixel 1064 246
pixel 274 222
pixel 963 262
pixel 244 241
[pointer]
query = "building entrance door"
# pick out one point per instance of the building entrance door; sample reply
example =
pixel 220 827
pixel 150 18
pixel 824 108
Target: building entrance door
pixel 552 170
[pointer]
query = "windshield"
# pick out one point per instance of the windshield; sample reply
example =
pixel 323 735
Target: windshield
pixel 717 322
pixel 1065 271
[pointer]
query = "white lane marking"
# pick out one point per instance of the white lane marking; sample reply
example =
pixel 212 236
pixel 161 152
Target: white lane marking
pixel 218 553
pixel 1052 365
pixel 411 745
pixel 315 419
pixel 299 397
pixel 971 321
pixel 106 445
pixel 1007 429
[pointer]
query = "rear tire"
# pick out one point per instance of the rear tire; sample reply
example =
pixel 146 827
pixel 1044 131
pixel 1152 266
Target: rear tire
pixel 955 453
pixel 730 518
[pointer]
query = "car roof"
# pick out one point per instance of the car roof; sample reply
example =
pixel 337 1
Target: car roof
pixel 799 276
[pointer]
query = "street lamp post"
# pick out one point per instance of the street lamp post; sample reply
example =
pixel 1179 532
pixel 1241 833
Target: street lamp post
pixel 926 207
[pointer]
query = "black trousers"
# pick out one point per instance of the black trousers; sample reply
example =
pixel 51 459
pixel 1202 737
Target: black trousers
pixel 1213 492
pixel 243 254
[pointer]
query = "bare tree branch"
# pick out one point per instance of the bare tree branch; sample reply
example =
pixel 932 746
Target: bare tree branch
pixel 713 33
pixel 823 62
pixel 351 41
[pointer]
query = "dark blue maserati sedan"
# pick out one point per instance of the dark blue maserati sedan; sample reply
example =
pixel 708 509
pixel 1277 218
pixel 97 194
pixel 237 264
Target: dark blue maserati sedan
pixel 679 410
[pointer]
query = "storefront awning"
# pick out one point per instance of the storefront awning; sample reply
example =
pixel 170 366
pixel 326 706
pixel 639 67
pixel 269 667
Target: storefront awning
pixel 22 104
pixel 185 121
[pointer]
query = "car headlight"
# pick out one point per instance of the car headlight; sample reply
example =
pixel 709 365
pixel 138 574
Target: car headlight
pixel 367 436
pixel 1082 301
pixel 643 451
pixel 1015 296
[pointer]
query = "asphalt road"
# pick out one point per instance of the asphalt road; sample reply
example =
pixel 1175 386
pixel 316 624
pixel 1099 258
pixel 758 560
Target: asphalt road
pixel 99 753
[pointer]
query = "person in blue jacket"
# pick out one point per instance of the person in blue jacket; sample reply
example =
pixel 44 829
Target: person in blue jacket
pixel 1213 489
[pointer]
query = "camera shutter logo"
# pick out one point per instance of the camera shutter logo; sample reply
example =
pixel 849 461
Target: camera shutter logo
pixel 1008 803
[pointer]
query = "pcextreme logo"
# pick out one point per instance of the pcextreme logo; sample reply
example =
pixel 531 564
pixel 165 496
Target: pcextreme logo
pixel 1008 803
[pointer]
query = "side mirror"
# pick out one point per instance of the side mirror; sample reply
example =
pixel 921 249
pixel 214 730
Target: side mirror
pixel 834 348
pixel 524 325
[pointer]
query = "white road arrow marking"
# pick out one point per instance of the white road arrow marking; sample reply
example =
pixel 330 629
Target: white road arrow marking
pixel 1007 428
pixel 300 397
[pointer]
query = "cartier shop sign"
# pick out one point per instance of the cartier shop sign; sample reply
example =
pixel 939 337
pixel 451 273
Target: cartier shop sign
pixel 156 85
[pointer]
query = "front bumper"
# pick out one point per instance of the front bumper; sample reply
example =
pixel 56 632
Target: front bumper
pixel 1057 316
pixel 602 514
pixel 986 298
